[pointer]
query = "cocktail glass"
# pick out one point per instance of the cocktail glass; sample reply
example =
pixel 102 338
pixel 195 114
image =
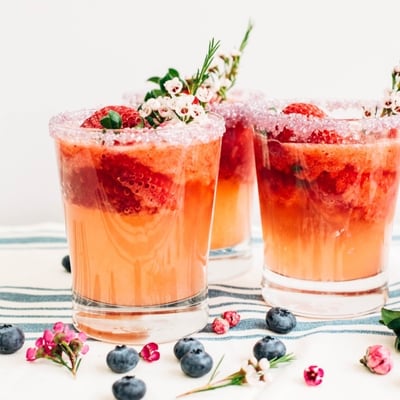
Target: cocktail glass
pixel 137 233
pixel 230 253
pixel 327 193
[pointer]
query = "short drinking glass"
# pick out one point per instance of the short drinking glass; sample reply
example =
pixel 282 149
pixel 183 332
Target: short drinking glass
pixel 137 232
pixel 327 180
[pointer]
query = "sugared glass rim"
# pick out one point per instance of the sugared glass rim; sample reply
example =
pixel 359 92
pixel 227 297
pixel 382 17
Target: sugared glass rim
pixel 346 117
pixel 66 126
pixel 237 105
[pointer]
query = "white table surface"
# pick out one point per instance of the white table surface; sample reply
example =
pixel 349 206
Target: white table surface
pixel 35 293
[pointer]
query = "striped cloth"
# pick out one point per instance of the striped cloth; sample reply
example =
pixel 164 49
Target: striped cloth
pixel 34 307
pixel 35 292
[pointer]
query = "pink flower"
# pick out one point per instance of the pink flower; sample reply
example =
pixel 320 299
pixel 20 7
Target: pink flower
pixel 150 352
pixel 61 345
pixel 378 359
pixel 220 326
pixel 232 317
pixel 313 375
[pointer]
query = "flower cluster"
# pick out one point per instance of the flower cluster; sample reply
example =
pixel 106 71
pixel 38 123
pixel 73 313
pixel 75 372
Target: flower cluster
pixel 227 320
pixel 61 345
pixel 391 99
pixel 251 373
pixel 177 98
pixel 377 359
pixel 223 72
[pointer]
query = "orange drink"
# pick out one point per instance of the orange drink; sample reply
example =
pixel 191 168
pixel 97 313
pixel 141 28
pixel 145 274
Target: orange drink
pixel 327 191
pixel 138 234
pixel 231 229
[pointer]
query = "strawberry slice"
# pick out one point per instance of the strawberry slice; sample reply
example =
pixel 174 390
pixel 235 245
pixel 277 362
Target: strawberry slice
pixel 307 109
pixel 113 117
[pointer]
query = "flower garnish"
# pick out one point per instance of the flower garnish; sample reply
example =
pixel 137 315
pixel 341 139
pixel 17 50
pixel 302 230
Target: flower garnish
pixel 225 68
pixel 150 352
pixel 391 319
pixel 377 359
pixel 232 317
pixel 313 375
pixel 252 372
pixel 177 98
pixel 220 325
pixel 61 345
pixel 391 100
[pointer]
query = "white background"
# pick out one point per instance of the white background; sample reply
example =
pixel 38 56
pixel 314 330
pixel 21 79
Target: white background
pixel 58 55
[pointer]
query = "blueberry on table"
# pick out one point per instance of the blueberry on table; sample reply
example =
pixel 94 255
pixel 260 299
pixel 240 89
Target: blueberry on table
pixel 196 363
pixel 122 359
pixel 182 346
pixel 280 320
pixel 269 347
pixel 66 263
pixel 12 339
pixel 129 388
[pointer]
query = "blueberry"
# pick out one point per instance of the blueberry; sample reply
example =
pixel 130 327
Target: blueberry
pixel 280 320
pixel 196 363
pixel 122 359
pixel 129 388
pixel 66 263
pixel 269 347
pixel 12 339
pixel 182 346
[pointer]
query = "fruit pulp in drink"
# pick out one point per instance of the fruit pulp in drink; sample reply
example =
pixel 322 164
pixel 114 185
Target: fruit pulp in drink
pixel 138 234
pixel 235 187
pixel 326 209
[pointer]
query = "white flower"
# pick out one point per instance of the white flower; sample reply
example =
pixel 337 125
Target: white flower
pixel 396 69
pixel 183 105
pixel 204 94
pixel 165 107
pixel 251 375
pixel 236 53
pixel 173 86
pixel 196 111
pixel 264 364
pixel 145 110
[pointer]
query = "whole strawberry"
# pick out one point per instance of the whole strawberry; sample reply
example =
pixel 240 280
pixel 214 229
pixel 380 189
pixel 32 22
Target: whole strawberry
pixel 114 117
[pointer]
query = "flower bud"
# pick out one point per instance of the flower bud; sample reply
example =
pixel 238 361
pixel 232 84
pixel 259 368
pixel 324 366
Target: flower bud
pixel 378 359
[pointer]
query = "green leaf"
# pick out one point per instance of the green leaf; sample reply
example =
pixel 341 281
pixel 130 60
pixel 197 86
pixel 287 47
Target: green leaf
pixel 397 343
pixel 153 94
pixel 154 79
pixel 173 73
pixel 388 316
pixel 394 325
pixel 112 120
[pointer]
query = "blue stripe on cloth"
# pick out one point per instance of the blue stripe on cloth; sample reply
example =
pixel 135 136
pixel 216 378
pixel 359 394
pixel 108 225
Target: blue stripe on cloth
pixel 36 309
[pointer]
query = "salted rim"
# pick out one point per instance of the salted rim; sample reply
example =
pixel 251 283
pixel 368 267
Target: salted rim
pixel 66 126
pixel 265 115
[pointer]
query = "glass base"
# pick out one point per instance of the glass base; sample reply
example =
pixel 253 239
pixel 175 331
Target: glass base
pixel 327 300
pixel 140 325
pixel 230 262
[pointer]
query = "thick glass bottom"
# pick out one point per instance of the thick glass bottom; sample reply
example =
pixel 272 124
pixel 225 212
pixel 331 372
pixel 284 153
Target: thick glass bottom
pixel 326 300
pixel 140 325
pixel 229 262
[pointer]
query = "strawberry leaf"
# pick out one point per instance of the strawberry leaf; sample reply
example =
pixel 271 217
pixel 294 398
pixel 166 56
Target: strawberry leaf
pixel 112 120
